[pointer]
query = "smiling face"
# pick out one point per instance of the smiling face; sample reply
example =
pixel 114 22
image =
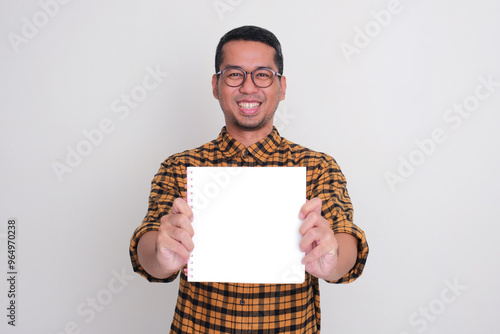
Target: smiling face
pixel 248 109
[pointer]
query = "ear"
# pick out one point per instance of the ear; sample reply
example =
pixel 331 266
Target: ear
pixel 282 88
pixel 215 86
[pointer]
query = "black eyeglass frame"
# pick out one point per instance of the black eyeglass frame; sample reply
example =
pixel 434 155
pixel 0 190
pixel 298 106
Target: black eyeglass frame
pixel 223 72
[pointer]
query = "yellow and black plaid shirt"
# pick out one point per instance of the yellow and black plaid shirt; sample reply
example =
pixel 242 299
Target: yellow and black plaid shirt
pixel 251 308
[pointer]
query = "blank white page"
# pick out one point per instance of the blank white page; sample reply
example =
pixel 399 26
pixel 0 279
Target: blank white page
pixel 246 225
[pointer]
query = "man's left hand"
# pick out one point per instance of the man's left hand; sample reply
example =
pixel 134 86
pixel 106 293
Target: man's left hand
pixel 318 241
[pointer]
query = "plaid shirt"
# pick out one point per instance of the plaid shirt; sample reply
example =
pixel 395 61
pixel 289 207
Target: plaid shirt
pixel 251 308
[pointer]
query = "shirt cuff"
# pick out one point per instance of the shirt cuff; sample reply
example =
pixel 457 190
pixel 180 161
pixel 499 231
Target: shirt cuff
pixel 136 266
pixel 359 266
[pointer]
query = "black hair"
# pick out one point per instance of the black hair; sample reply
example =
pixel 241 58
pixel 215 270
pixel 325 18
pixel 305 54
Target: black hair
pixel 250 33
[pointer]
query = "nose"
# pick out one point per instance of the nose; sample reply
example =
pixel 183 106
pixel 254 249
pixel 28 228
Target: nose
pixel 248 86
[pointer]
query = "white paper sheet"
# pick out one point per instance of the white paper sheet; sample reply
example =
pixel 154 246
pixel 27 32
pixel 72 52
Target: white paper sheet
pixel 246 225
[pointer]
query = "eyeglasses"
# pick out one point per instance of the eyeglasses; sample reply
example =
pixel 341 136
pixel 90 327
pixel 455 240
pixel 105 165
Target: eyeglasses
pixel 262 77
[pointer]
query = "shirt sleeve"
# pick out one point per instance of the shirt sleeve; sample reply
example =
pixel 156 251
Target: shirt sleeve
pixel 329 184
pixel 165 188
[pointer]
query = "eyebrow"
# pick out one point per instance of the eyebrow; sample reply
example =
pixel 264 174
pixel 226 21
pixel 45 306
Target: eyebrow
pixel 260 66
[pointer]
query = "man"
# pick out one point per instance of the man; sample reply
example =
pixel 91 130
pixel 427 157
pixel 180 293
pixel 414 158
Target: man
pixel 249 86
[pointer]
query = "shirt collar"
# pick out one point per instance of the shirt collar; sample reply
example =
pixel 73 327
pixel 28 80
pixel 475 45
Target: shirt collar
pixel 261 150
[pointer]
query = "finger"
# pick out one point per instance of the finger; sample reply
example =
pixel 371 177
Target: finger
pixel 176 227
pixel 313 205
pixel 182 236
pixel 179 206
pixel 315 236
pixel 313 220
pixel 173 249
pixel 179 216
pixel 180 221
pixel 321 250
pixel 175 240
pixel 308 241
pixel 319 253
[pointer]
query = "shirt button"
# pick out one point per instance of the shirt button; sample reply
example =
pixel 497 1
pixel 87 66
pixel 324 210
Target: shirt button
pixel 245 153
pixel 242 302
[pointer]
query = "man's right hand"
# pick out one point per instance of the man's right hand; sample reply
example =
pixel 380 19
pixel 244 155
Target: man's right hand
pixel 161 253
pixel 174 242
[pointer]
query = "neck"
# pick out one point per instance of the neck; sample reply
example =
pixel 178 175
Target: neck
pixel 249 137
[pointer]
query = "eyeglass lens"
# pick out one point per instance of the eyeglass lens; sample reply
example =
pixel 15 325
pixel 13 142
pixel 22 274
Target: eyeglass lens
pixel 261 78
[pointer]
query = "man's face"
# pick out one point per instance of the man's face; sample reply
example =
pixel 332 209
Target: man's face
pixel 248 107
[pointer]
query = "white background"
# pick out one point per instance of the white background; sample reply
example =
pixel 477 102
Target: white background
pixel 436 226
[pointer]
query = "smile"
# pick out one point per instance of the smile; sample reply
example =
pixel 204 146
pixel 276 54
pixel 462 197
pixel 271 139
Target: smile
pixel 249 105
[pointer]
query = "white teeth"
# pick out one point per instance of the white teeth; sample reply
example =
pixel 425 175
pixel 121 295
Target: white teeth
pixel 248 105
